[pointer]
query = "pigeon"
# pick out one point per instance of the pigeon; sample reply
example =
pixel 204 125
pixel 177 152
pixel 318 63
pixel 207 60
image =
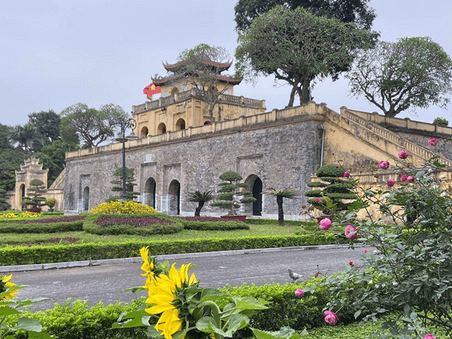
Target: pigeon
pixel 293 275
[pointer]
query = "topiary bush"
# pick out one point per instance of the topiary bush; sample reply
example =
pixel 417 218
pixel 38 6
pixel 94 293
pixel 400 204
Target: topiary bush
pixel 212 224
pixel 335 187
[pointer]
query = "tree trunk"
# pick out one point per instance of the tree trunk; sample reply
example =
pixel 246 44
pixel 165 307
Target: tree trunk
pixel 198 209
pixel 305 92
pixel 279 201
pixel 292 96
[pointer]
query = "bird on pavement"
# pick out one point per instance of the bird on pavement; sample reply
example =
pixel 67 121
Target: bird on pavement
pixel 294 276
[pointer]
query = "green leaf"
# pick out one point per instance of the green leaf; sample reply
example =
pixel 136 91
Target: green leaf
pixel 29 324
pixel 237 322
pixel 6 310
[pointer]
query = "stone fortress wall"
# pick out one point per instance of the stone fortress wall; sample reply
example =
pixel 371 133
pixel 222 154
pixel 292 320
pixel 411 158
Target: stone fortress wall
pixel 279 149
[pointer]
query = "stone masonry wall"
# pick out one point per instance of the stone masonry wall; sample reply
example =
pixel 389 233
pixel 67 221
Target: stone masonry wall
pixel 282 154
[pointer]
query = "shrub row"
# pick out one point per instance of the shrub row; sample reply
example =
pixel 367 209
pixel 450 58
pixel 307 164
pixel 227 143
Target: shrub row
pixel 197 225
pixel 90 225
pixel 23 255
pixel 275 222
pixel 77 320
pixel 52 227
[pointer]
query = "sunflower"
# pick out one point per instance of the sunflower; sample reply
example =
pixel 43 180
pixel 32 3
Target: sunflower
pixel 163 294
pixel 148 267
pixel 4 285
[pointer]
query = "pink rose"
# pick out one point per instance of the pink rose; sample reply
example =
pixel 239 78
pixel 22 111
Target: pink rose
pixel 403 154
pixel 365 251
pixel 432 142
pixel 331 318
pixel 318 200
pixel 299 292
pixel 410 179
pixel 351 232
pixel 429 336
pixel 351 263
pixel 346 174
pixel 384 164
pixel 325 224
pixel 390 182
pixel 403 177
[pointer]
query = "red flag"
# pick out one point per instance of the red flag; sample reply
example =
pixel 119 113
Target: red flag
pixel 152 89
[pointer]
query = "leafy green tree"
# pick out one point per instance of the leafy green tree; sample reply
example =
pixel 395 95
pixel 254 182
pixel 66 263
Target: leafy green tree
pixel 202 66
pixel 298 47
pixel 201 198
pixel 10 161
pixel 440 121
pixel 5 136
pixel 47 124
pixel 356 11
pixel 413 72
pixel 27 137
pixel 53 157
pixel 35 194
pixel 4 205
pixel 92 126
pixel 288 193
pixel 230 187
pixel 130 182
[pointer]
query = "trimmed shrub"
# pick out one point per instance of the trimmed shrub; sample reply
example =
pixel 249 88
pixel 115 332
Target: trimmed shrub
pixel 24 255
pixel 141 224
pixel 66 224
pixel 211 224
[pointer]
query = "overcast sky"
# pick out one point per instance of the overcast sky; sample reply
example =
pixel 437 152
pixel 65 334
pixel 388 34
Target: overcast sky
pixel 54 54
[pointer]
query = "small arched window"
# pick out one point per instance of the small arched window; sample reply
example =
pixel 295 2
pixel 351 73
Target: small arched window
pixel 161 128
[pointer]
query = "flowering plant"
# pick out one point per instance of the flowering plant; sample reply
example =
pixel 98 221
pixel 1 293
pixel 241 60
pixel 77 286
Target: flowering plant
pixel 9 308
pixel 410 273
pixel 178 308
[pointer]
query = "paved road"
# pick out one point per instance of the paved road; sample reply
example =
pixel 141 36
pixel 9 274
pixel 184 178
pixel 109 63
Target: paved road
pixel 106 282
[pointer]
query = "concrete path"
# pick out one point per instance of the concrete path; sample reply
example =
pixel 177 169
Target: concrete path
pixel 104 280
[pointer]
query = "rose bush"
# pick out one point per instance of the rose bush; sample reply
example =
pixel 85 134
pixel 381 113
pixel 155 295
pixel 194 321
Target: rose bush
pixel 410 274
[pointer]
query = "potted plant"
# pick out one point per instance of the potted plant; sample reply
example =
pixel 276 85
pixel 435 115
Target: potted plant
pixel 334 187
pixel 35 198
pixel 230 188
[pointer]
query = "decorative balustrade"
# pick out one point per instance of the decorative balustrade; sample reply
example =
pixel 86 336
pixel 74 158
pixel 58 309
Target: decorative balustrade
pixel 183 96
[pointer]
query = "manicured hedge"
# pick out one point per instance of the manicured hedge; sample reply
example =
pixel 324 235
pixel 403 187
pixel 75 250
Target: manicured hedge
pixel 77 320
pixel 275 222
pixel 23 255
pixel 166 226
pixel 49 227
pixel 211 224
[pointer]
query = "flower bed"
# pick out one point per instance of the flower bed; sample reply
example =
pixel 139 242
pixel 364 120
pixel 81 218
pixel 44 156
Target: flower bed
pixel 52 225
pixel 51 220
pixel 141 224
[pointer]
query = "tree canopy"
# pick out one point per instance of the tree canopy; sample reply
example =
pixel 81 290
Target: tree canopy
pixel 297 47
pixel 91 125
pixel 202 66
pixel 413 72
pixel 356 11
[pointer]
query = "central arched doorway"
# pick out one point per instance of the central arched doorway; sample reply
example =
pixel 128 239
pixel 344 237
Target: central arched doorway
pixel 255 186
pixel 149 193
pixel 174 197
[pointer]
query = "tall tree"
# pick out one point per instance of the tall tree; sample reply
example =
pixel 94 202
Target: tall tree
pixel 413 72
pixel 92 126
pixel 47 125
pixel 202 67
pixel 288 193
pixel 356 11
pixel 26 137
pixel 297 47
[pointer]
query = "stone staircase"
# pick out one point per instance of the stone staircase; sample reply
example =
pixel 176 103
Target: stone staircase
pixel 389 142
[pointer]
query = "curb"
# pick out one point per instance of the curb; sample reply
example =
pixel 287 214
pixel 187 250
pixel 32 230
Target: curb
pixel 73 264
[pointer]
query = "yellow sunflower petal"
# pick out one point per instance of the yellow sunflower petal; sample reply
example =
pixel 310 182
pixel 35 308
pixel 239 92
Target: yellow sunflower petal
pixel 174 275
